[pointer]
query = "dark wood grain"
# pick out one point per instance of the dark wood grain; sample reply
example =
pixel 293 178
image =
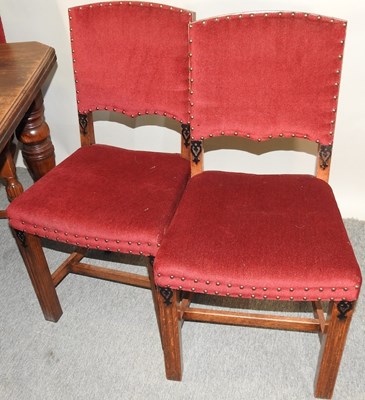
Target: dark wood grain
pixel 24 68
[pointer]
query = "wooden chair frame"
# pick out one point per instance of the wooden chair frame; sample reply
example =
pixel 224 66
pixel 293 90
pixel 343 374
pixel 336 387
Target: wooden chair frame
pixel 175 307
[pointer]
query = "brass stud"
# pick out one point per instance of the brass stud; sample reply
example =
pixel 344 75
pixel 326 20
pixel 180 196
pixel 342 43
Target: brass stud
pixel 207 282
pixel 304 298
pixel 195 280
pixel 229 285
pixel 291 289
pixel 183 279
pixel 218 283
pixel 172 277
pixel 253 287
pixel 306 289
pixel 278 289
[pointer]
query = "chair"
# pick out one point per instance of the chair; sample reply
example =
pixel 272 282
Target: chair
pixel 129 58
pixel 7 166
pixel 261 76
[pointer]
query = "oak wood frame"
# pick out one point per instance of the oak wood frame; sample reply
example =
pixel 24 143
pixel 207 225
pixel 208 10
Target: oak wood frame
pixel 44 282
pixel 332 333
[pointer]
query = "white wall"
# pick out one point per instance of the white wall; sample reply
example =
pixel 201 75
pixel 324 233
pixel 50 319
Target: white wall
pixel 46 21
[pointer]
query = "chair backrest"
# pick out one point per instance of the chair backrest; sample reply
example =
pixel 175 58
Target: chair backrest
pixel 131 57
pixel 2 34
pixel 266 75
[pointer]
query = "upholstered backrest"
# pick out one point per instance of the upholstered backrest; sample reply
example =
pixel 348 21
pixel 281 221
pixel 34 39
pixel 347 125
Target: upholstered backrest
pixel 264 75
pixel 2 34
pixel 131 57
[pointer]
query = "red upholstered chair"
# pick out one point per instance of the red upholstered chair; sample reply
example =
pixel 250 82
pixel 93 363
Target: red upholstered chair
pixel 266 237
pixel 7 166
pixel 129 58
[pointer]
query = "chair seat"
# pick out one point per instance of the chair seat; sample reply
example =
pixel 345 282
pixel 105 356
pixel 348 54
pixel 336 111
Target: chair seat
pixel 259 236
pixel 132 194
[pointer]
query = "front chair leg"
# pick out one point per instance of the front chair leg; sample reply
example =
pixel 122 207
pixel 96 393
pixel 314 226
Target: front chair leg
pixel 39 273
pixel 170 328
pixel 332 346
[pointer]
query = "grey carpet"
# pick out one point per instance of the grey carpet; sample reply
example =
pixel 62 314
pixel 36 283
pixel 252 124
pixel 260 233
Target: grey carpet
pixel 106 344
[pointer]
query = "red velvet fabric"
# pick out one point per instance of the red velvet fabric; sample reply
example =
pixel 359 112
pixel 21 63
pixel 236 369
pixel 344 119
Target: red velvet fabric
pixel 105 198
pixel 147 46
pixel 2 34
pixel 266 75
pixel 259 236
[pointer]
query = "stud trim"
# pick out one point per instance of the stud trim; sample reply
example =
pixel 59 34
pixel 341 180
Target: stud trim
pixel 87 241
pixel 245 290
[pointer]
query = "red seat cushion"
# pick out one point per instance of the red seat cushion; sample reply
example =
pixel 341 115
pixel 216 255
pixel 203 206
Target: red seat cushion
pixel 260 236
pixel 106 198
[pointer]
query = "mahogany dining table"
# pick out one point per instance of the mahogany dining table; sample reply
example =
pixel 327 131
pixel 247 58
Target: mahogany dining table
pixel 24 68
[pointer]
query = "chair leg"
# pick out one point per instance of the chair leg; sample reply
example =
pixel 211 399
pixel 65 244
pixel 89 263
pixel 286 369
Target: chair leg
pixel 332 346
pixel 39 273
pixel 150 261
pixel 170 327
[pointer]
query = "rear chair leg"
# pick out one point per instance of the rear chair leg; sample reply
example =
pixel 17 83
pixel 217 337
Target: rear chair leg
pixel 150 262
pixel 39 273
pixel 332 346
pixel 170 328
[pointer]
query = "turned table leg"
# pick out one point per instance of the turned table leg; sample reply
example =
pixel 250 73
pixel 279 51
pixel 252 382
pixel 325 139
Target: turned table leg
pixel 8 173
pixel 36 144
